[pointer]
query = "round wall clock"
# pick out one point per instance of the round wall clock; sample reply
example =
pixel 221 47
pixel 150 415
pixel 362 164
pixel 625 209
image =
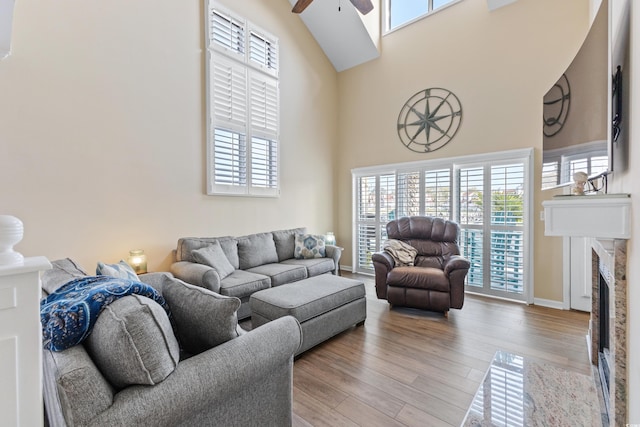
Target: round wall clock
pixel 555 108
pixel 429 120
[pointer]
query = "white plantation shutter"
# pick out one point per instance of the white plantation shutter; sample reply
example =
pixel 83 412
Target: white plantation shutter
pixel 227 32
pixel 471 219
pixel 264 163
pixel 367 242
pixel 437 189
pixel 507 232
pixel 264 104
pixel 230 158
pixel 407 194
pixel 243 105
pixel 263 52
pixel 387 196
pixel 229 91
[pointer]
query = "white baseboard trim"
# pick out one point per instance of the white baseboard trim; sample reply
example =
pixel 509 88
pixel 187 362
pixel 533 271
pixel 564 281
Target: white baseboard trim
pixel 558 305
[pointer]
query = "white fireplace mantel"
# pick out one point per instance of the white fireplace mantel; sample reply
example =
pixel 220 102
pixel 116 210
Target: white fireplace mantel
pixel 604 216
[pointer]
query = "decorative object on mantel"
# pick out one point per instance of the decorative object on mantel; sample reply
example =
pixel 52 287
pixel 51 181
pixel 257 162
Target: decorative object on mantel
pixel 579 180
pixel 11 233
pixel 138 261
pixel 6 17
pixel 429 120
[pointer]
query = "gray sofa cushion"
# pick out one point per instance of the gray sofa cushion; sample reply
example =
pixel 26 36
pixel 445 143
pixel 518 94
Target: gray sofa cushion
pixel 308 246
pixel 256 249
pixel 281 273
pixel 120 270
pixel 314 266
pixel 187 245
pixel 132 342
pixel 61 272
pixel 214 256
pixel 204 319
pixel 241 283
pixel 285 242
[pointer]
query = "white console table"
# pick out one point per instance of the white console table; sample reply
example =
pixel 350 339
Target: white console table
pixel 21 343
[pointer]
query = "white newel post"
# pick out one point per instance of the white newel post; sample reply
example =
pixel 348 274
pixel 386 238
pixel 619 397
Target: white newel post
pixel 20 330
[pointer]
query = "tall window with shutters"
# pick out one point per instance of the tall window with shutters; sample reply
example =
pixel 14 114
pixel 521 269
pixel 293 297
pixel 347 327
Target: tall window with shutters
pixel 242 105
pixel 487 195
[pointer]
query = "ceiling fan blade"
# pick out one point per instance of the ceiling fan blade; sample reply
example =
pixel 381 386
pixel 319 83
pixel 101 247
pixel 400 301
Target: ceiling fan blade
pixel 300 6
pixel 363 6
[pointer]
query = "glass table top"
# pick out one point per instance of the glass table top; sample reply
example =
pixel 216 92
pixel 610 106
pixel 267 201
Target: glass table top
pixel 520 391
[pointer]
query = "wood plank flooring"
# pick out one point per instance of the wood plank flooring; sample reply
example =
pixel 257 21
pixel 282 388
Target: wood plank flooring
pixel 409 367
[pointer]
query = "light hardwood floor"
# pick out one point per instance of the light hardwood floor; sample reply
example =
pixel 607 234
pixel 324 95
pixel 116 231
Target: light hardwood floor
pixel 408 367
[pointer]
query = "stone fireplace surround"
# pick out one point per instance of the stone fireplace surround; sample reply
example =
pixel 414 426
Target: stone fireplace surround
pixel 610 258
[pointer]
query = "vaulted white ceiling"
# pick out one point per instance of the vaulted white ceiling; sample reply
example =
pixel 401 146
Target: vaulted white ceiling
pixel 341 34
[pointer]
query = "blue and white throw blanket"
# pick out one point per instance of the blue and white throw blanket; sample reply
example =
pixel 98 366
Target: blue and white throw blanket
pixel 68 314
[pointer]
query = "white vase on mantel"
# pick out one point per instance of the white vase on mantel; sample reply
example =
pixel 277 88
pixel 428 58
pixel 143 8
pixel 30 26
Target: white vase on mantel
pixel 11 233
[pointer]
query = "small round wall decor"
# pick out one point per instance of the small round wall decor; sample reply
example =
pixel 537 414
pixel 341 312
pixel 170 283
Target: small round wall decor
pixel 429 120
pixel 556 107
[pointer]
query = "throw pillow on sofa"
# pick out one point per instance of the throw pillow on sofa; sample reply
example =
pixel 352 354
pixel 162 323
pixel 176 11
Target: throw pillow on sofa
pixel 132 342
pixel 309 246
pixel 214 257
pixel 121 270
pixel 204 318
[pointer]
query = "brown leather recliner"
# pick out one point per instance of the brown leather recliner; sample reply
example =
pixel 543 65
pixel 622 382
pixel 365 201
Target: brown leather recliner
pixel 436 280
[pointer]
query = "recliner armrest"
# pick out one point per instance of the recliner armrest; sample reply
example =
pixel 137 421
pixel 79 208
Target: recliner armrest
pixel 456 262
pixel 384 258
pixel 197 274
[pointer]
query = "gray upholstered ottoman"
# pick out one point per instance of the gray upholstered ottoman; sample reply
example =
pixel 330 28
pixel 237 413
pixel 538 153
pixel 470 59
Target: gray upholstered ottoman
pixel 324 305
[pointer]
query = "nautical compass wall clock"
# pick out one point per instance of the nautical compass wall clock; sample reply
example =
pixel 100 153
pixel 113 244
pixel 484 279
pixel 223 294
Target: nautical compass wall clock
pixel 429 120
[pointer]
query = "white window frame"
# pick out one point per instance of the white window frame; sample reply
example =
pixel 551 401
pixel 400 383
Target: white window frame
pixel 386 15
pixel 562 158
pixel 524 156
pixel 255 97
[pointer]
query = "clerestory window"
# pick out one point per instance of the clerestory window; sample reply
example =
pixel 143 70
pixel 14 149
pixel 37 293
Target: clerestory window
pixel 243 107
pixel 401 12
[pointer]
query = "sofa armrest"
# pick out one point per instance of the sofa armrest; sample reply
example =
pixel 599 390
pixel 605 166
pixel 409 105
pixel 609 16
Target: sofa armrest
pixel 245 381
pixel 197 274
pixel 334 252
pixel 455 262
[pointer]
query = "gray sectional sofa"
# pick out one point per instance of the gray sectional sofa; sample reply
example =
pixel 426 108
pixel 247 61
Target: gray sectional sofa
pixel 241 266
pixel 130 371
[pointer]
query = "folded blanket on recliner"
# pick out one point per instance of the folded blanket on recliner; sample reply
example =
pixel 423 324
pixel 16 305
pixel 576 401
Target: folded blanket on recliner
pixel 402 253
pixel 68 314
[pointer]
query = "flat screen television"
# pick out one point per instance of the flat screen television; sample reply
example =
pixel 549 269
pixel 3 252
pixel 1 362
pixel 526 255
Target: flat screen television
pixel 579 109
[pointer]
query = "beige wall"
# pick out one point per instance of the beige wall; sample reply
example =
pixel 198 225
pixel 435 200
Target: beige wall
pixel 498 63
pixel 102 129
pixel 586 120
